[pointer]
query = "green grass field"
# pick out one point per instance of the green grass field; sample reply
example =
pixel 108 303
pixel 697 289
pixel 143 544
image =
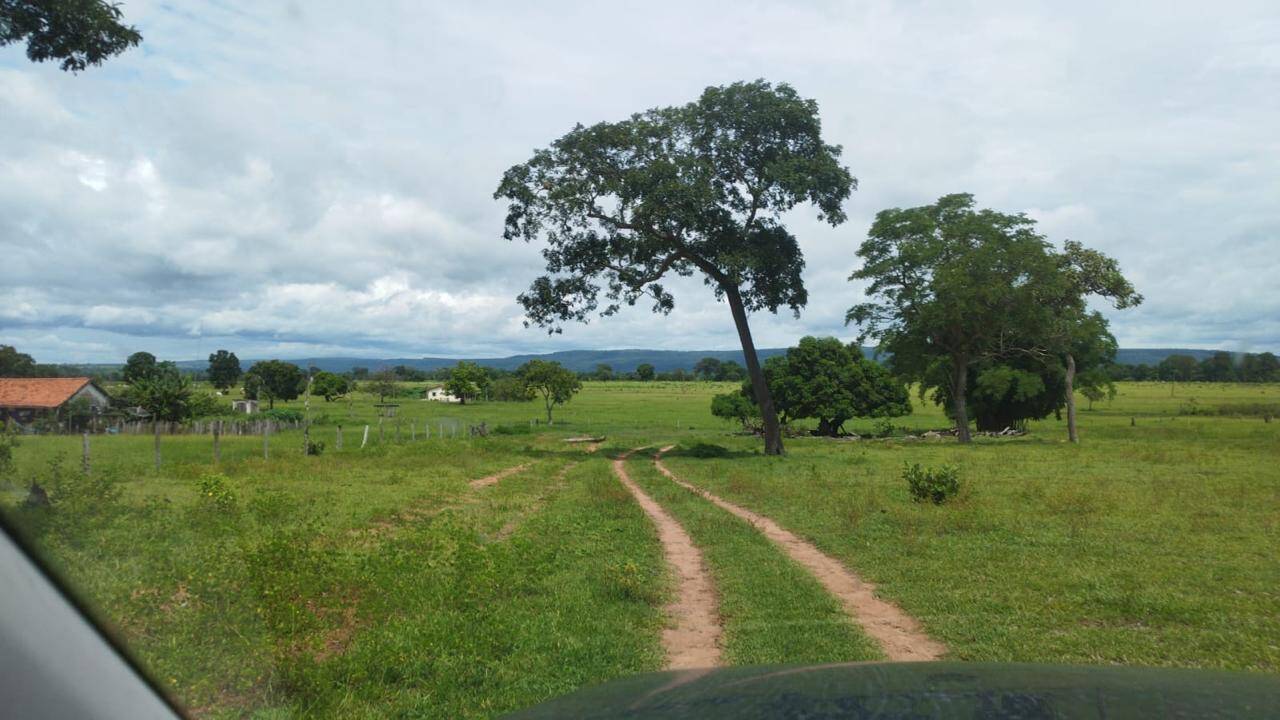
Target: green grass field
pixel 375 582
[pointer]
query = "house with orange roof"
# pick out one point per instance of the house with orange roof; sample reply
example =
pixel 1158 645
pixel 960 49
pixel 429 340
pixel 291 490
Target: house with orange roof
pixel 26 399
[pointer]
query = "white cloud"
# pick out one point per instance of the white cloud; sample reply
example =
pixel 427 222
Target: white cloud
pixel 306 181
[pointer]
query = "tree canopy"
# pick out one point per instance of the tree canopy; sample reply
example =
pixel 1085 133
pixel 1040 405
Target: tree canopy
pixel 954 289
pixel 79 33
pixel 329 385
pixel 644 372
pixel 467 381
pixel 825 379
pixel 274 380
pixel 696 188
pixel 555 383
pixel 224 369
pixel 139 366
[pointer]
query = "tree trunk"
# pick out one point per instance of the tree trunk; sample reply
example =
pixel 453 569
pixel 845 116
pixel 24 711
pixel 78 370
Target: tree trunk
pixel 769 416
pixel 548 402
pixel 960 404
pixel 1071 399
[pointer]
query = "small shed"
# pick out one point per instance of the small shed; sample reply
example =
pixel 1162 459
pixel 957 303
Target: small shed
pixel 248 407
pixel 437 393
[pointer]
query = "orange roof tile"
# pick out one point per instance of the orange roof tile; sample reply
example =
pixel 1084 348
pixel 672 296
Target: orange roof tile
pixel 38 392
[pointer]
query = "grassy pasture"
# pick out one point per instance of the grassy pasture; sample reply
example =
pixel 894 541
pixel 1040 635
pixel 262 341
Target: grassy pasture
pixel 378 582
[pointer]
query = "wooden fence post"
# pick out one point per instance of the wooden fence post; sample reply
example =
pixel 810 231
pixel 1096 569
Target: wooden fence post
pixel 379 429
pixel 413 431
pixel 85 461
pixel 266 441
pixel 339 444
pixel 217 441
pixel 364 441
pixel 397 429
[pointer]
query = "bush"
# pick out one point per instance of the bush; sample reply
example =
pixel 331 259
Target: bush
pixel 315 447
pixel 935 485
pixel 215 494
pixel 517 429
pixel 283 415
pixel 884 428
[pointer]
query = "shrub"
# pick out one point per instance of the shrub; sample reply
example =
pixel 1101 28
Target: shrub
pixel 935 485
pixel 215 494
pixel 884 428
pixel 78 494
pixel 315 447
pixel 283 415
pixel 516 429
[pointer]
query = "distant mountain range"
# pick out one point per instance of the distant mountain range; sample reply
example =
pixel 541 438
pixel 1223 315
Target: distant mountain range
pixel 627 360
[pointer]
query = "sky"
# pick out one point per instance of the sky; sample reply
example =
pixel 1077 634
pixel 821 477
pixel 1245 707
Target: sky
pixel 306 179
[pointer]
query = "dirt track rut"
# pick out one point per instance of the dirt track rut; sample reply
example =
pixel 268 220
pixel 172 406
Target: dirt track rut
pixel 692 640
pixel 897 633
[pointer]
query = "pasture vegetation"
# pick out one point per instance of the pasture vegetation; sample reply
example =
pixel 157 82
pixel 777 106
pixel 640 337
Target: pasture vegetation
pixel 378 581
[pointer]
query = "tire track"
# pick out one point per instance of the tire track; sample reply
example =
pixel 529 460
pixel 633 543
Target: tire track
pixel 693 638
pixel 499 476
pixel 897 633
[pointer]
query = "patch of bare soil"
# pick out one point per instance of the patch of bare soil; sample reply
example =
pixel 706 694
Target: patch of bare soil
pixel 499 476
pixel 692 640
pixel 898 634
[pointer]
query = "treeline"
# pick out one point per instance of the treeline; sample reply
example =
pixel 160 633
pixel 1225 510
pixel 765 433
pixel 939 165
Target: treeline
pixel 1219 367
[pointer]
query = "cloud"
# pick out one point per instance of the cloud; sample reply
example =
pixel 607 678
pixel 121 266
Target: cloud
pixel 297 180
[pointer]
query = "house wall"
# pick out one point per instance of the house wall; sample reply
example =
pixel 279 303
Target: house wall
pixel 97 398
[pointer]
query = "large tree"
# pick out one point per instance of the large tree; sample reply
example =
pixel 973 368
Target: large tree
pixel 140 366
pixel 554 382
pixel 275 380
pixel 952 287
pixel 699 188
pixel 644 372
pixel 825 379
pixel 1074 331
pixel 16 364
pixel 329 385
pixel 79 33
pixel 224 369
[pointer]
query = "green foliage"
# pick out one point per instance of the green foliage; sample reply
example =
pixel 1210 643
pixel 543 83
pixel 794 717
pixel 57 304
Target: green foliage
pixel 556 384
pixel 825 379
pixel 15 364
pixel 315 447
pixel 511 389
pixel 140 366
pixel 79 33
pixel 214 493
pixel 935 485
pixel 74 494
pixel 644 372
pixel 630 580
pixel 224 369
pixel 273 380
pixel 165 394
pixel 956 289
pixel 289 415
pixel 467 381
pixel 513 429
pixel 382 384
pixel 329 385
pixel 705 450
pixel 736 406
pixel 8 442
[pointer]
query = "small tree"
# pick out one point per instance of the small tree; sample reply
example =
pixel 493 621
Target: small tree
pixel 139 366
pixel 224 369
pixel 80 33
pixel 644 372
pixel 466 381
pixel 603 372
pixel 700 188
pixel 511 389
pixel 382 384
pixel 329 385
pixel 708 368
pixel 825 379
pixel 555 383
pixel 736 406
pixel 274 380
